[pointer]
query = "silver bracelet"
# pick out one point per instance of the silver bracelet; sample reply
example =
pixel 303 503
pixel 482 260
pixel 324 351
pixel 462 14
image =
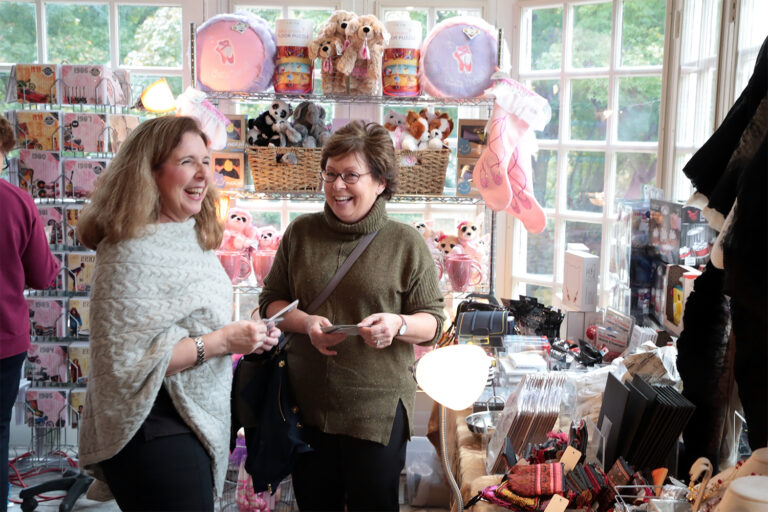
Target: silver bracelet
pixel 200 350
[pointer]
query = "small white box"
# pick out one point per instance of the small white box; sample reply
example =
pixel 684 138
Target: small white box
pixel 580 280
pixel 576 323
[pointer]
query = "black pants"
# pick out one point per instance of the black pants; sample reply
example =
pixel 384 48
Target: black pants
pixel 168 473
pixel 345 473
pixel 10 375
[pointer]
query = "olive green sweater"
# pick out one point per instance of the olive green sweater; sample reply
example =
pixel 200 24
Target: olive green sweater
pixel 356 391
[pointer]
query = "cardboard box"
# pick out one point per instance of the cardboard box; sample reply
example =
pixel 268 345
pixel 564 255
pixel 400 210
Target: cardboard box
pixel 576 323
pixel 680 234
pixel 580 278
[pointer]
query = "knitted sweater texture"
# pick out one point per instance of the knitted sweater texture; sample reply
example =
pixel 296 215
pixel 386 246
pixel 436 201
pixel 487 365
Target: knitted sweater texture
pixel 355 392
pixel 148 293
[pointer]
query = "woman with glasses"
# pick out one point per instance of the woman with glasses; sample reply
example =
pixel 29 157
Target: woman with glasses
pixel 25 260
pixel 355 392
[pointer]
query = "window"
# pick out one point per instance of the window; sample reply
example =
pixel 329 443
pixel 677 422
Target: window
pixel 599 64
pixel 146 39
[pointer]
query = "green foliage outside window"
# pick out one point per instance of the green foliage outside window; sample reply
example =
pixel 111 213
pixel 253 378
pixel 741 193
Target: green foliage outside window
pixel 77 33
pixel 18 32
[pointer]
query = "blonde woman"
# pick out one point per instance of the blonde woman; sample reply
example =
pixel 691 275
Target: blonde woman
pixel 155 427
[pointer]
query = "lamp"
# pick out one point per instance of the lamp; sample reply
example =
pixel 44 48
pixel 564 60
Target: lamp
pixel 157 97
pixel 222 207
pixel 453 376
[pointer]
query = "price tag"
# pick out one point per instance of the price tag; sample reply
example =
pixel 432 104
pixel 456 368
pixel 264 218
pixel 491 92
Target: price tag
pixel 557 504
pixel 570 458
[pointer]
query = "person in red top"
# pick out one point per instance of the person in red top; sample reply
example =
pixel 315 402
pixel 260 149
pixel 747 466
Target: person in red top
pixel 25 260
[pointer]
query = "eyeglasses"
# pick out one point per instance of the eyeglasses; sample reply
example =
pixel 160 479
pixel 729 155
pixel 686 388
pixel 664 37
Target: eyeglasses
pixel 347 177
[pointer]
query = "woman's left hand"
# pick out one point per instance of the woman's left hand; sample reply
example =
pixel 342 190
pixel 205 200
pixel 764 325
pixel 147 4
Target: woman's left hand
pixel 379 330
pixel 273 336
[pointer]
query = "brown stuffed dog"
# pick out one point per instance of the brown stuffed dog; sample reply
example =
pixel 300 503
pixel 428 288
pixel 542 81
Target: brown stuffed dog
pixel 331 42
pixel 329 50
pixel 362 59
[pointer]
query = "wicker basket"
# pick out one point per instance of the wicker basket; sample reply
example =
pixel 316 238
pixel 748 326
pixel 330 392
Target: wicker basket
pixel 269 175
pixel 421 172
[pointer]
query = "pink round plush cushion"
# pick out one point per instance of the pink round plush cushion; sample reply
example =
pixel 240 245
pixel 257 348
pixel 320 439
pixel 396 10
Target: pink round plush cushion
pixel 235 53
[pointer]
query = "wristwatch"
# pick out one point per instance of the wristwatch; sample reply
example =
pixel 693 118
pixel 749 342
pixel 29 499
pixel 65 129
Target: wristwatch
pixel 403 328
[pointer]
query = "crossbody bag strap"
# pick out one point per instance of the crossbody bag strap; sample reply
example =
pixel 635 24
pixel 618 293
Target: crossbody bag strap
pixel 337 277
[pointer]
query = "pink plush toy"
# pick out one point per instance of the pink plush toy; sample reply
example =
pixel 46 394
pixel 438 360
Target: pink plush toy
pixel 448 243
pixel 470 237
pixel 269 238
pixel 238 230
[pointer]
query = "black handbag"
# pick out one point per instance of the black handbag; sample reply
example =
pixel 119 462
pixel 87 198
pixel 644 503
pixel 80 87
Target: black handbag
pixel 262 403
pixel 484 327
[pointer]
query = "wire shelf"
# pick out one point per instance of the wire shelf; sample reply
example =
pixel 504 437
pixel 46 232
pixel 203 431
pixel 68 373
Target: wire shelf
pixel 318 197
pixel 350 98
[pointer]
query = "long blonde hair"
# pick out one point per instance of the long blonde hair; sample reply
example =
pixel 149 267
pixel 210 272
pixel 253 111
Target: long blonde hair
pixel 126 198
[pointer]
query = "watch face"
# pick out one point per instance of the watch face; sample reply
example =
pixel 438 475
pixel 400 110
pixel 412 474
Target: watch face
pixel 402 330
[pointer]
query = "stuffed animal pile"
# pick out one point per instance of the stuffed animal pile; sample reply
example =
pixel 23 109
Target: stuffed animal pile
pixel 469 239
pixel 241 235
pixel 282 126
pixel 423 130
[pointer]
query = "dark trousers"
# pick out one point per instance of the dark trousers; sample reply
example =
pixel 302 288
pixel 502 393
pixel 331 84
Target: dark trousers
pixel 345 473
pixel 168 473
pixel 10 375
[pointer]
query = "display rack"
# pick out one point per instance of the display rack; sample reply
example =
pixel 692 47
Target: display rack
pixel 481 101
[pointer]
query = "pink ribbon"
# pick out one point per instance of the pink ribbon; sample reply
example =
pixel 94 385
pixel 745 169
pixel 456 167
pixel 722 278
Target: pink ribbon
pixel 327 66
pixel 364 52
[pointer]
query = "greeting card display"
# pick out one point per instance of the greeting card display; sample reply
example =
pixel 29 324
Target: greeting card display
pixel 78 317
pixel 124 95
pixel 84 132
pixel 47 362
pixel 235 132
pixel 40 173
pixel 53 223
pixel 228 169
pixel 120 125
pixel 45 317
pixel 235 52
pixel 46 408
pixel 37 130
pixel 76 405
pixel 79 362
pixel 79 271
pixel 90 85
pixel 58 283
pixel 80 176
pixel 33 83
pixel 71 214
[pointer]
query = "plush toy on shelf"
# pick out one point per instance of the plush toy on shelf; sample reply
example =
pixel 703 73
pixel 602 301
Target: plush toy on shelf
pixel 362 59
pixel 448 243
pixel 472 241
pixel 273 128
pixel 396 123
pixel 440 126
pixel 329 50
pixel 417 135
pixel 425 228
pixel 309 120
pixel 268 238
pixel 239 233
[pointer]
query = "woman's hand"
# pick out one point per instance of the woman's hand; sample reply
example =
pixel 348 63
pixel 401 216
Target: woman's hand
pixel 249 336
pixel 313 325
pixel 379 330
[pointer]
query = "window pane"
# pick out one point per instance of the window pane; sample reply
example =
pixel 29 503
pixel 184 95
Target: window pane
pixel 751 35
pixel 589 108
pixel 18 32
pixel 542 293
pixel 444 14
pixel 549 90
pixel 591 46
pixel 545 177
pixel 642 32
pixel 3 87
pixel 542 38
pixel 419 15
pixel 541 251
pixel 150 36
pixel 77 33
pixel 587 233
pixel 585 181
pixel 633 170
pixel 318 16
pixel 269 14
pixel 639 104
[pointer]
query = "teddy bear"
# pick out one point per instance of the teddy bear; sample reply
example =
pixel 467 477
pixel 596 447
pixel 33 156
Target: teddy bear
pixel 309 120
pixel 362 59
pixel 417 135
pixel 329 50
pixel 396 124
pixel 239 233
pixel 268 238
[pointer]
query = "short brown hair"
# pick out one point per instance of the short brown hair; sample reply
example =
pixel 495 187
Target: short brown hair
pixel 126 198
pixel 373 143
pixel 7 135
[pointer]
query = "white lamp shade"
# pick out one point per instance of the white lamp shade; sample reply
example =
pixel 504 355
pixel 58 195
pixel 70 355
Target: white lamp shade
pixel 157 97
pixel 454 376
